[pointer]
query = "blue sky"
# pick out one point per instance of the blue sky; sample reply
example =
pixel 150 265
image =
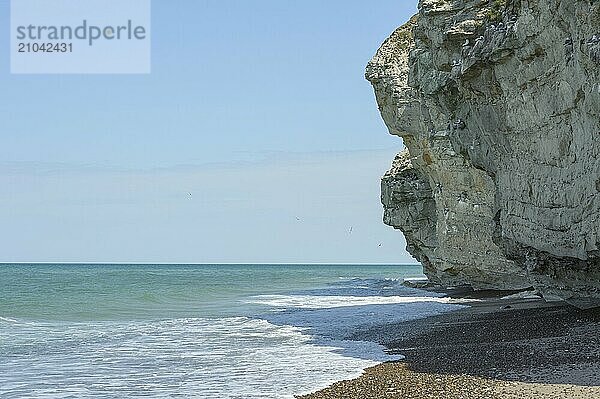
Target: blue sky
pixel 259 109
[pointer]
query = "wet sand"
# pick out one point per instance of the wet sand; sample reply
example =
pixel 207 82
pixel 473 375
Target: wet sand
pixel 495 349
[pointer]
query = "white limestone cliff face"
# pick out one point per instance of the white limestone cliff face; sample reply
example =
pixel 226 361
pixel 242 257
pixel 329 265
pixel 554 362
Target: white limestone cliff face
pixel 498 104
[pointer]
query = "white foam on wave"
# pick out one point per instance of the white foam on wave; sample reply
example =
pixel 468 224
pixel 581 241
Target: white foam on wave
pixel 13 321
pixel 194 358
pixel 326 302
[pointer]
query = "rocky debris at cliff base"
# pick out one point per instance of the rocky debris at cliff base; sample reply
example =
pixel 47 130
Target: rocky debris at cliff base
pixel 417 282
pixel 530 294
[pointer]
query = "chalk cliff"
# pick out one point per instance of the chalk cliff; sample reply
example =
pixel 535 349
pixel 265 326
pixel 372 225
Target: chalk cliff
pixel 498 104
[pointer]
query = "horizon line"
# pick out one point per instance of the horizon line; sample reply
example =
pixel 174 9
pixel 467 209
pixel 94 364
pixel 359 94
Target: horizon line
pixel 211 264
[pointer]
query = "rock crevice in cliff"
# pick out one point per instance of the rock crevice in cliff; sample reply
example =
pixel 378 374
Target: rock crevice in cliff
pixel 498 104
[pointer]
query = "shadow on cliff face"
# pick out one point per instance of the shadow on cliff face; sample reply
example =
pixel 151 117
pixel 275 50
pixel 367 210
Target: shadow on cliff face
pixel 549 345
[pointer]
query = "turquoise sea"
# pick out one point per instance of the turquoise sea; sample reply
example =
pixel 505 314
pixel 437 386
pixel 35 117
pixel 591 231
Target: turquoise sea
pixel 195 331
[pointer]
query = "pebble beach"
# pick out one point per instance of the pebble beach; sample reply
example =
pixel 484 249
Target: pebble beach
pixel 497 348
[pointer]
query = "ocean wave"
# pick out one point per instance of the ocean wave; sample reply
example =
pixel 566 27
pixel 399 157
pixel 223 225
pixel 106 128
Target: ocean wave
pixel 178 340
pixel 371 287
pixel 325 302
pixel 350 322
pixel 236 357
pixel 14 321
